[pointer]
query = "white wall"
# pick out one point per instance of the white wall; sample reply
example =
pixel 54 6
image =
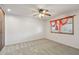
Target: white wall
pixel 71 40
pixel 21 29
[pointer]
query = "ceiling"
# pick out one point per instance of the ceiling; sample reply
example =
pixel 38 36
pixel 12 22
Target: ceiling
pixel 26 9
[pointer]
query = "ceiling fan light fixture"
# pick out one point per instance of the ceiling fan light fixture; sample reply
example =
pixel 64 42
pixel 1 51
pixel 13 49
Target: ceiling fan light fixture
pixel 43 13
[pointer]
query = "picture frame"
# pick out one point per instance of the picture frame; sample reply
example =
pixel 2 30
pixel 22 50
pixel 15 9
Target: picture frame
pixel 63 26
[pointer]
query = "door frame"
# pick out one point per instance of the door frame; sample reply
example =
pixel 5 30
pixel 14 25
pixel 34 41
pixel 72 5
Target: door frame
pixel 3 29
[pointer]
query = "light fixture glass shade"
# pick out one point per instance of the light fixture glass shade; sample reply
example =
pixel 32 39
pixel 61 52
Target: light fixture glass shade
pixel 40 15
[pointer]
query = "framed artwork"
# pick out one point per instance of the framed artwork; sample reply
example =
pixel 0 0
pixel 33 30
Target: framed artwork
pixel 64 25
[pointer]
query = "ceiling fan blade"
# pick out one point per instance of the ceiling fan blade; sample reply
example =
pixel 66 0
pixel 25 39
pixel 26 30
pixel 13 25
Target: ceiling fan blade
pixel 35 14
pixel 34 10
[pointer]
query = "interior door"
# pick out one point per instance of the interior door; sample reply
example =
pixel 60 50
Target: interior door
pixel 2 27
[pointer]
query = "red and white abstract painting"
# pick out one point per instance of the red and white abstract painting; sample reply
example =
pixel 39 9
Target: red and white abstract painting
pixel 63 25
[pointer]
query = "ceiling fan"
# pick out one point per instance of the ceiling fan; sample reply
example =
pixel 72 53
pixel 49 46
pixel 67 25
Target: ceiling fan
pixel 41 12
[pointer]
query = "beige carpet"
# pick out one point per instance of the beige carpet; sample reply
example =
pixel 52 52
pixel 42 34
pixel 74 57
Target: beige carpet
pixel 39 47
